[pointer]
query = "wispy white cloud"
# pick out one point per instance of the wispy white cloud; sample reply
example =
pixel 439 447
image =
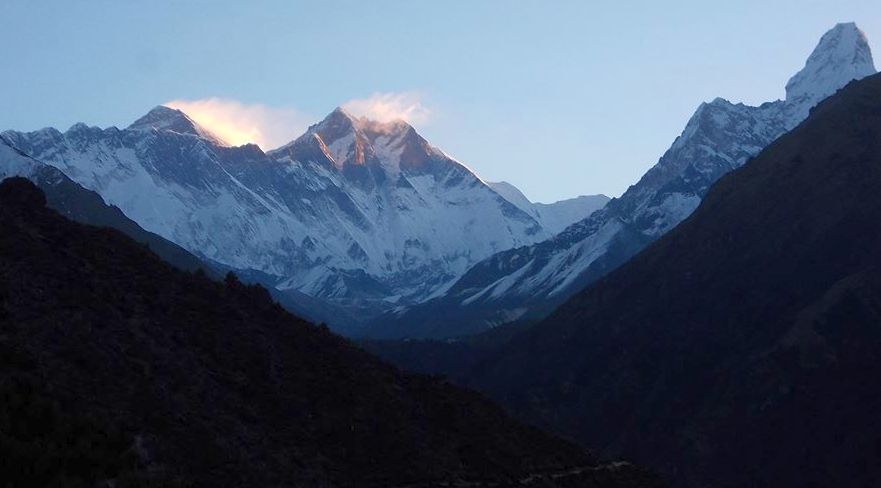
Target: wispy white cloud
pixel 269 127
pixel 239 123
pixel 385 107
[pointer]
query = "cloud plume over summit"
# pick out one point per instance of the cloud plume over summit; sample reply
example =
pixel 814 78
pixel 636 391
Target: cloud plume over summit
pixel 239 123
pixel 385 107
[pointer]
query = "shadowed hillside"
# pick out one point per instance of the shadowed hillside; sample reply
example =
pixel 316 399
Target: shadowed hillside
pixel 116 366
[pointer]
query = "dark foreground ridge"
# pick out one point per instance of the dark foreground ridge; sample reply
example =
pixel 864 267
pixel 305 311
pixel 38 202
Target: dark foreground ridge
pixel 117 366
pixel 744 347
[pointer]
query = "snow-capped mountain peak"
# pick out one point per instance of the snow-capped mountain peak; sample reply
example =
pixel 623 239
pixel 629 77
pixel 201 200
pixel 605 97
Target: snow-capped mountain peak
pixel 336 138
pixel 171 119
pixel 842 55
pixel 351 144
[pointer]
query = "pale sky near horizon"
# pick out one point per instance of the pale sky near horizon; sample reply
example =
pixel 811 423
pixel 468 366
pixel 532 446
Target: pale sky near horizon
pixel 559 98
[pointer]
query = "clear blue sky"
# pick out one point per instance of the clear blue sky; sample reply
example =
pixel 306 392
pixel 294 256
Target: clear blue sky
pixel 559 98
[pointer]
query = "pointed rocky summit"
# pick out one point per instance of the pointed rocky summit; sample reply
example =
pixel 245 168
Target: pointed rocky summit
pixel 842 55
pixel 167 118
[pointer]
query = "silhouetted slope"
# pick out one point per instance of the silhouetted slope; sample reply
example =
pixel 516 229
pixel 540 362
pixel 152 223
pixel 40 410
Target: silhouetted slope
pixel 165 375
pixel 744 347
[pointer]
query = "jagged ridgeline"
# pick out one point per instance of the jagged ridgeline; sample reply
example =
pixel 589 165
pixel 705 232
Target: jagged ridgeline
pixel 118 368
pixel 354 214
pixel 527 283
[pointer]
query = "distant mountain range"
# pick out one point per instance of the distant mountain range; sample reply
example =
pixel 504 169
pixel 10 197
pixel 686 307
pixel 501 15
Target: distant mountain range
pixel 368 227
pixel 354 216
pixel 527 283
pixel 554 217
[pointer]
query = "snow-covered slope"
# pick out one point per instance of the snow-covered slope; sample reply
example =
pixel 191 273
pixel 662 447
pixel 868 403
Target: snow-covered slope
pixel 512 194
pixel 360 213
pixel 554 217
pixel 842 55
pixel 721 136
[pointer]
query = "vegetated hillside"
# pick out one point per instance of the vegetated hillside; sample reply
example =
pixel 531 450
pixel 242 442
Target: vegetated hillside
pixel 743 348
pixel 116 366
